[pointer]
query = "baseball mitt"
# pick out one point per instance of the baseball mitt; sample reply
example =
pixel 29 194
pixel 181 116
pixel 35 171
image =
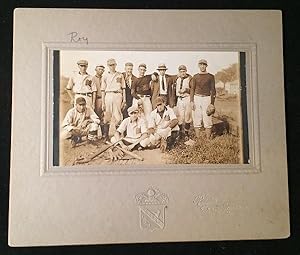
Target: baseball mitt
pixel 210 110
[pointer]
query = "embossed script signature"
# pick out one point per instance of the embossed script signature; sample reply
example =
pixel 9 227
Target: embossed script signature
pixel 76 38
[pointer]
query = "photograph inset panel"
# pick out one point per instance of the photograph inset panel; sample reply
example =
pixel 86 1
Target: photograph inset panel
pixel 149 107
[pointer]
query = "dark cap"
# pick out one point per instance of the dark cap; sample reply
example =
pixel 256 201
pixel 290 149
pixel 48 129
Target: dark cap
pixel 143 65
pixel 80 100
pixel 128 64
pixel 102 66
pixel 82 62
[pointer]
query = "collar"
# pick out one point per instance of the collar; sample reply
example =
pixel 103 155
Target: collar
pixel 83 74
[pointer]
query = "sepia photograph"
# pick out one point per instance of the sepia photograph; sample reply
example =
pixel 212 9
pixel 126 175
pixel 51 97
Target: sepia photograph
pixel 149 107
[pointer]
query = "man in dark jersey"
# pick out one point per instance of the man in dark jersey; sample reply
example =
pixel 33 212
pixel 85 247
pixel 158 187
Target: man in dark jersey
pixel 202 94
pixel 141 91
pixel 129 78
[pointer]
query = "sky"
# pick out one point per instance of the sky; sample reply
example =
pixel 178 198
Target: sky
pixel 172 59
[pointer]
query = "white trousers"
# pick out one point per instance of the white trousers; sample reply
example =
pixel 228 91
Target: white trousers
pixel 184 110
pixel 199 114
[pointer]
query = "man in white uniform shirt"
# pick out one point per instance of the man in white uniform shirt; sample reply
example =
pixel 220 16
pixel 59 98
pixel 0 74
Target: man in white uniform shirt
pixel 162 124
pixel 133 130
pixel 113 97
pixel 184 109
pixel 80 121
pixel 81 85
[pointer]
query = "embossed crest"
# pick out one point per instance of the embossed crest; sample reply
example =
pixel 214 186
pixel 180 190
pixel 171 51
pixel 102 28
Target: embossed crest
pixel 152 204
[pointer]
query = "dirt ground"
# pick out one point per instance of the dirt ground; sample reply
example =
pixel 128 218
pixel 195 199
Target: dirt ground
pixel 228 107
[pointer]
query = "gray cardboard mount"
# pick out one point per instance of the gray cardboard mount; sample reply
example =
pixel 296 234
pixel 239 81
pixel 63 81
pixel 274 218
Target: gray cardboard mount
pixel 94 208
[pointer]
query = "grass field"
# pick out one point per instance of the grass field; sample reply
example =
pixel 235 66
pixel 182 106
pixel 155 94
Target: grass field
pixel 223 149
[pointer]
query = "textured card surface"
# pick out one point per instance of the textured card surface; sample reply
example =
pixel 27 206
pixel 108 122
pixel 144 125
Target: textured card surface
pixel 222 177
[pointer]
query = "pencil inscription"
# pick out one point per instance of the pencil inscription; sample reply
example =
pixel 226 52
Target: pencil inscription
pixel 75 38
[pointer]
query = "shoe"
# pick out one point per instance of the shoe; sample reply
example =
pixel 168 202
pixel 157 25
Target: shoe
pixel 75 140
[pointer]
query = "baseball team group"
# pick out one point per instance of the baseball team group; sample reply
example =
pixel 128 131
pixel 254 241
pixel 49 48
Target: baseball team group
pixel 148 111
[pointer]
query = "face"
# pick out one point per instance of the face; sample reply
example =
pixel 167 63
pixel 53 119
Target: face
pixel 162 72
pixel 133 115
pixel 128 69
pixel 100 70
pixel 81 107
pixel 202 67
pixel 82 68
pixel 112 67
pixel 142 70
pixel 160 107
pixel 182 73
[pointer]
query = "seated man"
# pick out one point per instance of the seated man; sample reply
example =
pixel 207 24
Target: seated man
pixel 162 125
pixel 135 131
pixel 80 121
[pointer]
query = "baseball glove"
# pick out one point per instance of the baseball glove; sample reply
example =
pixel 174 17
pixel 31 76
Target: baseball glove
pixel 210 110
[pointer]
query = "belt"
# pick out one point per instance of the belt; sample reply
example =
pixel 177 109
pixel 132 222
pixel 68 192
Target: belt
pixel 202 95
pixel 143 95
pixel 98 97
pixel 115 91
pixel 89 94
pixel 181 97
pixel 162 95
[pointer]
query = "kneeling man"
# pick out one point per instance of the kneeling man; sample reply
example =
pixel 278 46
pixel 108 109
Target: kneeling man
pixel 80 121
pixel 163 125
pixel 133 130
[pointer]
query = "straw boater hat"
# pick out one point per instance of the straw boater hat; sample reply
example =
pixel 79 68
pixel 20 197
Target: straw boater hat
pixel 162 67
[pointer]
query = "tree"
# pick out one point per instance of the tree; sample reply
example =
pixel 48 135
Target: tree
pixel 228 74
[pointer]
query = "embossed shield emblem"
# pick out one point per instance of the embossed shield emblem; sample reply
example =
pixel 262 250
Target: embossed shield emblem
pixel 152 205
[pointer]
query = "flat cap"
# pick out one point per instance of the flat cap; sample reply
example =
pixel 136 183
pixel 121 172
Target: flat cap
pixel 102 66
pixel 111 61
pixel 162 67
pixel 133 108
pixel 80 100
pixel 182 67
pixel 143 65
pixel 202 61
pixel 159 100
pixel 82 62
pixel 128 64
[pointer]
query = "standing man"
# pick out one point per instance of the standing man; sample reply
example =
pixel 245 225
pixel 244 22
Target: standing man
pixel 162 125
pixel 184 109
pixel 113 97
pixel 97 80
pixel 80 121
pixel 81 85
pixel 141 90
pixel 203 93
pixel 166 88
pixel 129 78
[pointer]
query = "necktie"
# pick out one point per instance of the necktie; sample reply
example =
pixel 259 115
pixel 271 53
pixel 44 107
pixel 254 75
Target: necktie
pixel 163 83
pixel 181 83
